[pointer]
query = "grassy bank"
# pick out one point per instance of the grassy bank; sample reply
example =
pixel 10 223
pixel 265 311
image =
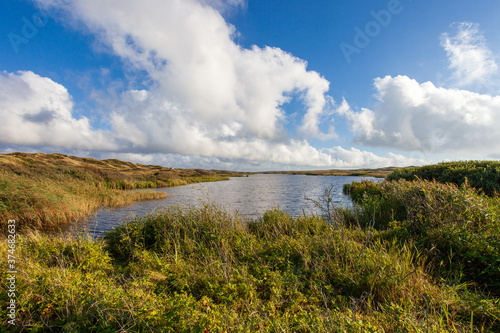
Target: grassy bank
pixel 204 270
pixel 39 190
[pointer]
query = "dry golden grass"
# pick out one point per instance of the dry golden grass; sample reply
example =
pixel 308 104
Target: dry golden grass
pixel 40 190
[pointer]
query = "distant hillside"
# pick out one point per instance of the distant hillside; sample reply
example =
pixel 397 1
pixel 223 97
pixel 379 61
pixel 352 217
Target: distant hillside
pixel 48 189
pixel 379 173
pixel 110 173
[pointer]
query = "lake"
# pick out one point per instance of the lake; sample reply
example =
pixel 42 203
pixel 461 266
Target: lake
pixel 248 196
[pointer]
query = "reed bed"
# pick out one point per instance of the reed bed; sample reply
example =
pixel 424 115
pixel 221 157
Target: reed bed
pixel 46 190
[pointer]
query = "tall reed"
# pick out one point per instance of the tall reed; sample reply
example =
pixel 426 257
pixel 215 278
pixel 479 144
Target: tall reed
pixel 42 190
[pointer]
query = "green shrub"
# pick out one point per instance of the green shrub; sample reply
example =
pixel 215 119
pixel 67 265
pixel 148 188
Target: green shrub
pixel 482 175
pixel 373 207
pixel 359 190
pixel 457 228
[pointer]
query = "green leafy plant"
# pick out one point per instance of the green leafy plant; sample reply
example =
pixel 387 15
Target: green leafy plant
pixel 482 175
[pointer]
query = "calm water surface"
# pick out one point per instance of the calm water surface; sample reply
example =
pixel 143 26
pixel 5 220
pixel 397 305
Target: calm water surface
pixel 248 196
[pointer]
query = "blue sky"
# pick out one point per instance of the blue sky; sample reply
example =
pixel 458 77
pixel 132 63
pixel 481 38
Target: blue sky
pixel 252 85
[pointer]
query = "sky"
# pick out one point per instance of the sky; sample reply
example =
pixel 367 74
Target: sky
pixel 252 85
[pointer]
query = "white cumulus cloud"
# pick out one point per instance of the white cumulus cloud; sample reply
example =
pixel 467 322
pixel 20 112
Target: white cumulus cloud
pixel 38 111
pixel 187 48
pixel 420 116
pixel 211 97
pixel 212 102
pixel 205 81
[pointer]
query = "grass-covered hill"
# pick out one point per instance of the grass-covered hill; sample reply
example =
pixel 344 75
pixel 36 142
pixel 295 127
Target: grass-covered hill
pixel 47 189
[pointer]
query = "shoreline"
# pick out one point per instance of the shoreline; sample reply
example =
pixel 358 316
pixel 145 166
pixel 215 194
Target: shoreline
pixel 47 190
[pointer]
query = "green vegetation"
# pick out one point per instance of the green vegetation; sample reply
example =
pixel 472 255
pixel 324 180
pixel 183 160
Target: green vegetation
pixel 40 190
pixel 457 228
pixel 482 175
pixel 203 269
pixel 410 256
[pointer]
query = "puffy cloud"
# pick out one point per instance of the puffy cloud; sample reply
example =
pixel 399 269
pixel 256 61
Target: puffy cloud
pixel 471 61
pixel 213 103
pixel 187 48
pixel 38 111
pixel 414 116
pixel 211 97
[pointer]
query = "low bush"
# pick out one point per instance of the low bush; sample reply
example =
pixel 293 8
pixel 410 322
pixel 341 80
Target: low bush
pixel 457 228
